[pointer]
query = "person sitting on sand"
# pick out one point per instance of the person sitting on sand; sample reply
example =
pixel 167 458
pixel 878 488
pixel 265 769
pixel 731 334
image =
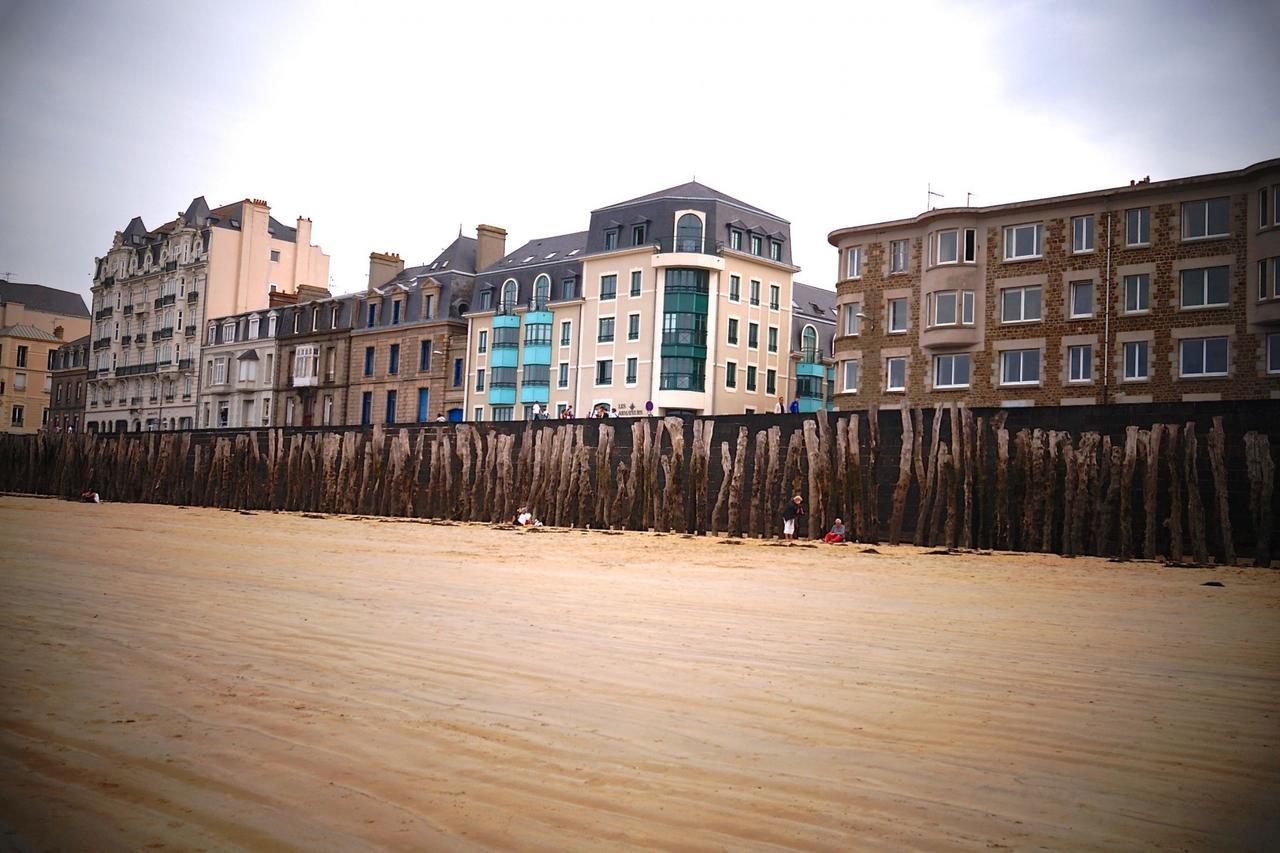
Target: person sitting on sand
pixel 836 534
pixel 524 518
pixel 790 513
pixel 90 497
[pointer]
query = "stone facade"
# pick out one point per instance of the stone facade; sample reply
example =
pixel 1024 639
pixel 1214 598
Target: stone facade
pixel 312 379
pixel 1018 295
pixel 70 379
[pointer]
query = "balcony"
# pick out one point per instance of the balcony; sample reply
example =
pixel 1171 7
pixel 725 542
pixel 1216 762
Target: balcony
pixel 951 336
pixel 170 266
pixel 121 402
pixel 102 343
pixel 168 398
pixel 185 364
pixel 140 338
pixel 93 404
pixel 162 334
pixel 135 401
pixel 186 397
pixel 128 309
pixel 153 398
pixel 193 296
pixel 93 374
pixel 103 313
pixel 305 381
pixel 136 369
pixel 109 281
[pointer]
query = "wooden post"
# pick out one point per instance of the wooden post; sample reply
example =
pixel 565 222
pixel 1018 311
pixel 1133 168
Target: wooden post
pixel 726 467
pixel 1070 480
pixel 814 508
pixel 982 490
pixel 1257 452
pixel 904 479
pixel 857 510
pixel 1125 551
pixel 735 488
pixel 1003 526
pixel 774 475
pixel 927 485
pixel 1218 466
pixel 871 478
pixel 1150 479
pixel 967 436
pixel 759 467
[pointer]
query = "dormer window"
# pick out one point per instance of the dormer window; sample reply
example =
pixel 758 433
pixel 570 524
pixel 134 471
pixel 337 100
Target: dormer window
pixel 229 332
pixel 271 325
pixel 775 250
pixel 253 327
pixel 315 319
pixel 213 334
pixel 735 240
pixel 757 244
pixel 428 306
pixel 486 300
pixel 637 235
pixel 297 321
pixel 372 314
pixel 395 312
pixel 334 312
pixel 611 239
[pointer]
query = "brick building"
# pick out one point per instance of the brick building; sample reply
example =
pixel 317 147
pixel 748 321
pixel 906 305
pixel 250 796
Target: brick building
pixel 67 398
pixel 1152 292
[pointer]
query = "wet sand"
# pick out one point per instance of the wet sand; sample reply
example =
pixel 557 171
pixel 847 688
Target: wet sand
pixel 201 679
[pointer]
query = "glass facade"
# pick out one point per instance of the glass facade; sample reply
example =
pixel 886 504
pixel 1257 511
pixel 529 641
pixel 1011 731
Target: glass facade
pixel 684 330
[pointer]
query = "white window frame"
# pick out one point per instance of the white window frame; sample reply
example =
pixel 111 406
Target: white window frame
pixel 1144 222
pixel 1010 241
pixel 1082 236
pixel 731 369
pixel 888 318
pixel 950 358
pixel 1145 292
pixel 1021 353
pixel 899 261
pixel 1085 362
pixel 954 297
pixel 1204 359
pixel 1071 299
pixel 853 262
pixel 1135 347
pixel 219 371
pixel 856 365
pixel 1189 215
pixel 967 303
pixel 1022 304
pixel 954 233
pixel 852 322
pixel 1204 288
pixel 888 373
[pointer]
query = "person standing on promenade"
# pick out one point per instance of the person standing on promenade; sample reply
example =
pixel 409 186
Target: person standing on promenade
pixel 790 513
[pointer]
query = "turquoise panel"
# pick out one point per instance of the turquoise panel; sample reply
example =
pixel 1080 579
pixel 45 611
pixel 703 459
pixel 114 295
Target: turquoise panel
pixel 537 354
pixel 502 396
pixel 538 318
pixel 806 369
pixel 506 321
pixel 534 394
pixel 504 357
pixel 810 404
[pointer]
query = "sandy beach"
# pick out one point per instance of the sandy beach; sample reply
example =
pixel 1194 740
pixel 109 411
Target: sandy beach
pixel 193 679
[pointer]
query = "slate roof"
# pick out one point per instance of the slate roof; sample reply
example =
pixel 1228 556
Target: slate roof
pixel 692 189
pixel 50 300
pixel 536 252
pixel 816 306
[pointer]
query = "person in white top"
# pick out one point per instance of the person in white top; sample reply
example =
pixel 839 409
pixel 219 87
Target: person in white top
pixel 537 412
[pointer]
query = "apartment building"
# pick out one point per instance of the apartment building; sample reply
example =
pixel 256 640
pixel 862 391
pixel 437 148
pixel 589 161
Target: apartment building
pixel 34 322
pixel 312 373
pixel 67 398
pixel 409 345
pixel 154 288
pixel 237 387
pixel 1156 291
pixel 674 302
pixel 813 331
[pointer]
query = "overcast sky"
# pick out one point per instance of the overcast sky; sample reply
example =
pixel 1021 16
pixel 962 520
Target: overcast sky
pixel 391 125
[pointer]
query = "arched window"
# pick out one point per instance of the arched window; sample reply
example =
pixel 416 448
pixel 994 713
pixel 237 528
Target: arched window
pixel 541 292
pixel 809 344
pixel 689 233
pixel 510 291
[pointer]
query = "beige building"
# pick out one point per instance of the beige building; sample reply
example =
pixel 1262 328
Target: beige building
pixel 1153 292
pixel 34 322
pixel 675 302
pixel 153 290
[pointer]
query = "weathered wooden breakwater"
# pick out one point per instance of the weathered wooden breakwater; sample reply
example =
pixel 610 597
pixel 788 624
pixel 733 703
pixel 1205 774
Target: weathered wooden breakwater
pixel 941 476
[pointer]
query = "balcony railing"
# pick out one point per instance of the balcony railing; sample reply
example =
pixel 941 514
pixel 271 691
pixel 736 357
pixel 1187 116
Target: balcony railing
pixel 92 374
pixel 189 331
pixel 135 401
pixel 167 299
pixel 136 369
pixel 694 245
pixel 102 343
pixel 128 309
pixel 140 338
pixel 153 398
pixel 193 296
pixel 123 401
pixel 185 364
pixel 162 334
pixel 170 266
pixel 103 313
pixel 811 355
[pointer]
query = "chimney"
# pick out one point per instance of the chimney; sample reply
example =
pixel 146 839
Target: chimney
pixel 491 245
pixel 304 231
pixel 383 267
pixel 58 332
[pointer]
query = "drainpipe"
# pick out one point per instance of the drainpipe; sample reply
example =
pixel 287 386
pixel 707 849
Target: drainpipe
pixel 1106 324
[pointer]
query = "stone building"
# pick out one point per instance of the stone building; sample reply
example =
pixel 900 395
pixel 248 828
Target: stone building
pixel 236 388
pixel 680 299
pixel 1156 291
pixel 34 322
pixel 70 377
pixel 409 342
pixel 154 288
pixel 311 377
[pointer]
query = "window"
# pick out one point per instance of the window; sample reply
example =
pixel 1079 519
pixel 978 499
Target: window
pixel 297 318
pixel 970 245
pixel 1137 293
pixel 424 352
pixel 897 314
pixel 1082 233
pixel 851 319
pixel 689 233
pixel 1273 352
pixel 1267 278
pixel 948 247
pixel 897 258
pixel 566 327
pixel 775 250
pixel 219 371
pixel 479 378
pixel 568 288
pixel 751 377
pixel 19 381
pixel 248 371
pixel 735 240
pixel 853 268
pixel 1136 360
pixel 1080 363
pixel 393 359
pixel 895 372
pixel 755 292
pixel 733 331
pixel 852 373
pixel 1022 241
pixel 1208 218
pixel 753 335
pixel 771 380
pixel 735 288
pixel 482 343
pixel 1137 226
pixel 636 277
pixel 775 296
pixel 945 308
pixel 457 373
pixel 633 327
pixel 391 407
pixel 212 337
pixel 633 368
pixel 253 327
pixel 1020 304
pixel 502 377
pixel 1203 357
pixel 275 254
pixel 1081 299
pixel 271 325
pixel 1020 367
pixel 330 363
pixel 304 361
pixel 606 330
pixel 372 314
pixel 366 408
pixel 611 239
pixel 1203 288
pixel 562 375
pixel 966 307
pixel 604 371
pixel 486 300
pixel 428 304
pixel 608 287
pixel 637 235
pixel 951 371
pixel 537 334
pixel 424 404
pixel 16 415
pixel 756 244
pixel 395 314
pixel 510 294
pixel 368 361
pixel 773 339
pixel 503 413
pixel 731 374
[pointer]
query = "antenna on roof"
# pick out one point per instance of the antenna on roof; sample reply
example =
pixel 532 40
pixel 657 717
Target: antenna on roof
pixel 967 198
pixel 929 198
